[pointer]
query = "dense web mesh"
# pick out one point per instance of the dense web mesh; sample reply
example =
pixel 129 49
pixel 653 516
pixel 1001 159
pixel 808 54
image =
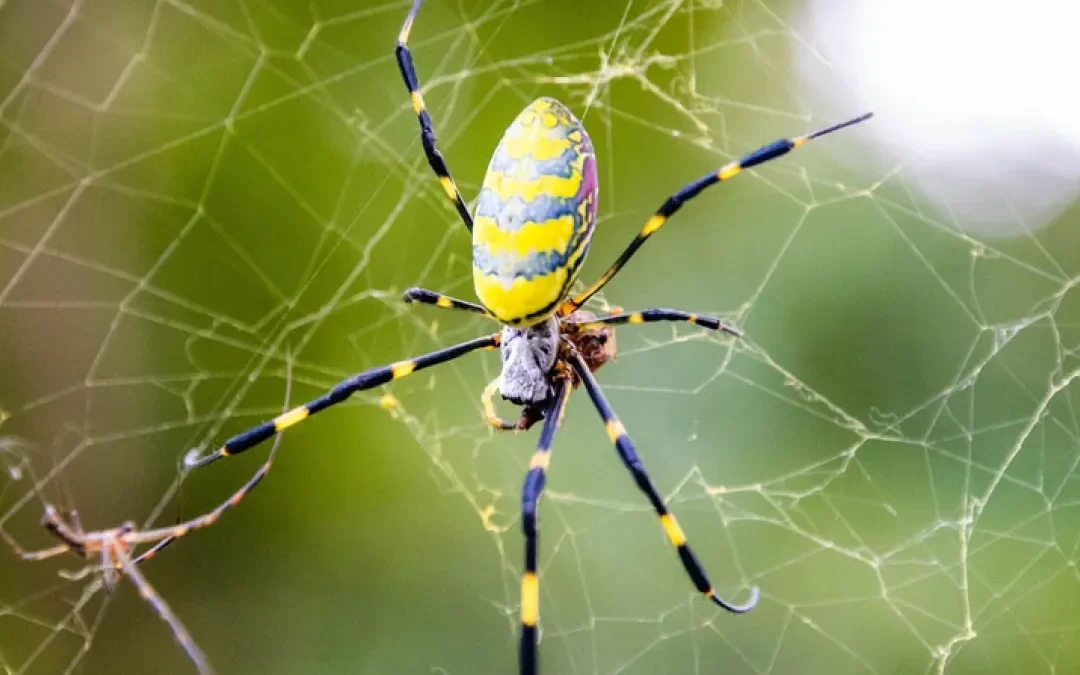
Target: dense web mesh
pixel 195 192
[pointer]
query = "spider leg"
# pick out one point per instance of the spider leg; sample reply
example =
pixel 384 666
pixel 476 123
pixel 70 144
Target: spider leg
pixel 617 433
pixel 427 131
pixel 58 528
pixel 426 297
pixel 153 550
pixel 676 201
pixel 530 497
pixel 161 608
pixel 490 414
pixel 654 315
pixel 43 554
pixel 87 570
pixel 73 541
pixel 164 536
pixel 34 556
pixel 110 561
pixel 76 522
pixel 359 382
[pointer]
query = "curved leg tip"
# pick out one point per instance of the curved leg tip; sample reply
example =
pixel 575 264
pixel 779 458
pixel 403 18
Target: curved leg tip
pixel 755 593
pixel 195 459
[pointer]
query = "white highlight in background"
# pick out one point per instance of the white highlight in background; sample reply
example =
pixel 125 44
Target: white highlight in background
pixel 977 101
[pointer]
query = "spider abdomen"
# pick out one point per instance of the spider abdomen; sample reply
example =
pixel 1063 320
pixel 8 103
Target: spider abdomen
pixel 535 214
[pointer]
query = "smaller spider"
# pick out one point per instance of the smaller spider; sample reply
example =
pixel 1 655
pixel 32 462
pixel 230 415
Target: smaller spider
pixel 115 551
pixel 115 547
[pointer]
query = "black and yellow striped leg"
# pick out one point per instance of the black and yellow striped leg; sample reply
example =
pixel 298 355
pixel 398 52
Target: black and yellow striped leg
pixel 654 315
pixel 427 131
pixel 617 433
pixel 530 498
pixel 425 297
pixel 164 536
pixel 359 382
pixel 676 201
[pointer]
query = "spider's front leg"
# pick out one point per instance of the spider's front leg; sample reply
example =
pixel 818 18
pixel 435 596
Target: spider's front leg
pixel 527 364
pixel 679 199
pixel 362 381
pixel 427 128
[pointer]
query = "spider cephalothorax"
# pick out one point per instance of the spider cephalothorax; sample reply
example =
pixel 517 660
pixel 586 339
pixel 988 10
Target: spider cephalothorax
pixel 528 355
pixel 529 358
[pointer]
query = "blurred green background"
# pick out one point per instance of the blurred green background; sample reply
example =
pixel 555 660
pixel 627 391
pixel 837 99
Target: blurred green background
pixel 194 194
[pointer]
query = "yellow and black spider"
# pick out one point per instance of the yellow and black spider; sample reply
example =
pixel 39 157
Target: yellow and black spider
pixel 532 227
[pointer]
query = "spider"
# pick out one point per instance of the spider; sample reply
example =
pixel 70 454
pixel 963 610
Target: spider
pixel 114 548
pixel 531 230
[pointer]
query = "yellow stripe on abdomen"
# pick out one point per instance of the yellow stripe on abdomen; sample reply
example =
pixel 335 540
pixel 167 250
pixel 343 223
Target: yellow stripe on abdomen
pixel 549 235
pixel 539 146
pixel 528 189
pixel 522 297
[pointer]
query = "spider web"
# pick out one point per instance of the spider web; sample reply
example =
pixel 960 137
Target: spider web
pixel 193 191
